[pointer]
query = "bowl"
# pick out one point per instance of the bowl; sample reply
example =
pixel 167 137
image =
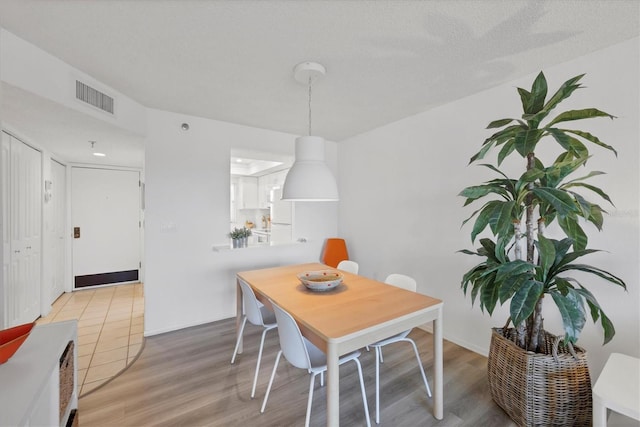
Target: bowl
pixel 11 339
pixel 320 281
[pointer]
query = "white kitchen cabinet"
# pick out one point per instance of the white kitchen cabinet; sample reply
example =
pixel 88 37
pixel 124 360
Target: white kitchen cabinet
pixel 248 193
pixel 38 385
pixel 263 192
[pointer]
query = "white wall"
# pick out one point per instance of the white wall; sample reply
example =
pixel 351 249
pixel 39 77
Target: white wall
pixel 187 212
pixel 400 212
pixel 30 68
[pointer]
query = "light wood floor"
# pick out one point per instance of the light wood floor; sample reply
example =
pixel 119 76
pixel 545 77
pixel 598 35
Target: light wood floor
pixel 185 378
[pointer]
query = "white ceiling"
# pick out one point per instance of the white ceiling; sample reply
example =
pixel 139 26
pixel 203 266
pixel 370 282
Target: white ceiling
pixel 233 60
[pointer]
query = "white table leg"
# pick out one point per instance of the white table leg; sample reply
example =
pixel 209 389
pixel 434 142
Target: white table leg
pixel 333 386
pixel 599 414
pixel 438 396
pixel 238 314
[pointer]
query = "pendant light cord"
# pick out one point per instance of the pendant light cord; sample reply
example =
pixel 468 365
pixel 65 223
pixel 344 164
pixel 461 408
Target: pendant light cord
pixel 309 105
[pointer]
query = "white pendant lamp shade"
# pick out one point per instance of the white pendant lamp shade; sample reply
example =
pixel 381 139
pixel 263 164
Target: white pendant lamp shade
pixel 309 179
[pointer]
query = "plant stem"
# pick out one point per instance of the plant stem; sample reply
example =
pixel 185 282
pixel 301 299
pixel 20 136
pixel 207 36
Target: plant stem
pixel 525 342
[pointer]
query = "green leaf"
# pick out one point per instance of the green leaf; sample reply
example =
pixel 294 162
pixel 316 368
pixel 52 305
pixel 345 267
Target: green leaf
pixel 483 151
pixel 586 113
pixel 569 143
pixel 571 256
pixel 590 187
pixel 489 296
pixel 572 312
pixel 526 140
pixel 499 123
pixel 510 285
pixel 562 247
pixel 468 252
pixel 596 271
pixel 591 138
pixel 524 300
pixel 572 229
pixel 562 285
pixel 589 175
pixel 596 216
pixel 507 149
pixel 563 92
pixel 525 99
pixel 607 326
pixel 583 204
pixel 502 219
pixel 547 254
pixel 560 200
pixel 594 306
pixel 487 215
pixel 497 138
pixel 598 313
pixel 489 248
pixel 477 191
pixel 538 94
pixel 495 169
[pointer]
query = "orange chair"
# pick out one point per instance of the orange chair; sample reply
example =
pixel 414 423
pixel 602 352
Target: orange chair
pixel 335 250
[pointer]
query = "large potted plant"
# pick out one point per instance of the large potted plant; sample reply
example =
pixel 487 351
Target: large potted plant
pixel 536 377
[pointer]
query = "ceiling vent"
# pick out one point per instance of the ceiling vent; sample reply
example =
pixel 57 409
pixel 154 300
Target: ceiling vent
pixel 94 97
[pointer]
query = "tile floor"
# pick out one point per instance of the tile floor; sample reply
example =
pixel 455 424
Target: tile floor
pixel 110 330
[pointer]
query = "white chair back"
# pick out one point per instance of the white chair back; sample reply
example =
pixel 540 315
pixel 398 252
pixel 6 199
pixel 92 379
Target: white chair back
pixel 251 306
pixel 291 339
pixel 401 281
pixel 348 266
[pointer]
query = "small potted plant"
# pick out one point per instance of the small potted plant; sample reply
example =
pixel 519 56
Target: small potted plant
pixel 236 236
pixel 246 233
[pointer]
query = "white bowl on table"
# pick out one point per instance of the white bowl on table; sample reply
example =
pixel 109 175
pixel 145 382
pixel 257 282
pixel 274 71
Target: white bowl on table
pixel 321 280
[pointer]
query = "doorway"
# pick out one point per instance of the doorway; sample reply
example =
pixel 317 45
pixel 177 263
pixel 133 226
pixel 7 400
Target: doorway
pixel 106 221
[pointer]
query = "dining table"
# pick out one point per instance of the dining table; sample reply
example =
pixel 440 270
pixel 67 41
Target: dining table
pixel 358 312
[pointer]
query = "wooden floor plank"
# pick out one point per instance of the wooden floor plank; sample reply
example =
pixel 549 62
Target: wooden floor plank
pixel 185 378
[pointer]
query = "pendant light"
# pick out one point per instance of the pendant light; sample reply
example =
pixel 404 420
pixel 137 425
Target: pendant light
pixel 309 178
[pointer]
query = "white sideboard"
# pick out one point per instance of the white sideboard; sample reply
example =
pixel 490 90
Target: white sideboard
pixel 31 384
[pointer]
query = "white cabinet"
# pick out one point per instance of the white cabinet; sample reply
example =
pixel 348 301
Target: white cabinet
pixel 21 231
pixel 249 188
pixel 39 383
pixel 244 192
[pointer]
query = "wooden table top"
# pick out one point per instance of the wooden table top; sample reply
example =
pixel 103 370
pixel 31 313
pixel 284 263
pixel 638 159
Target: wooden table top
pixel 356 304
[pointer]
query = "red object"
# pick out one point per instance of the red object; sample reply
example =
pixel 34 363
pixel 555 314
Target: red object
pixel 11 339
pixel 335 250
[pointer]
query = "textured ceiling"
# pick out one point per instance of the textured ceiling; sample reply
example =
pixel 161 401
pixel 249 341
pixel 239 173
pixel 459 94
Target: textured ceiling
pixel 385 60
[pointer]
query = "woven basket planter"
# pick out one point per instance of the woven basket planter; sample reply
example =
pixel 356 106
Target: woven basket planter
pixel 537 389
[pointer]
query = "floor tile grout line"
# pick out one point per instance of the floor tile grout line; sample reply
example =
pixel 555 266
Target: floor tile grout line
pixel 116 296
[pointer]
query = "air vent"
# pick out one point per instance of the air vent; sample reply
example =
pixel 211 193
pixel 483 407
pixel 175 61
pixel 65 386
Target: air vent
pixel 94 97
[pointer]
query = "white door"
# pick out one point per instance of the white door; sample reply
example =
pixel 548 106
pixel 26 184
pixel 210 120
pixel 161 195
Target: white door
pixel 58 200
pixel 105 216
pixel 22 215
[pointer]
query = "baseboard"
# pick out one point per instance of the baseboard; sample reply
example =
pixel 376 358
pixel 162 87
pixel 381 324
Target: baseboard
pixel 150 333
pixel 462 343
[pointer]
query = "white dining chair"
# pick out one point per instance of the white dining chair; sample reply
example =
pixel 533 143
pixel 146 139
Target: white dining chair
pixel 348 266
pixel 259 315
pixel 302 354
pixel 408 283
